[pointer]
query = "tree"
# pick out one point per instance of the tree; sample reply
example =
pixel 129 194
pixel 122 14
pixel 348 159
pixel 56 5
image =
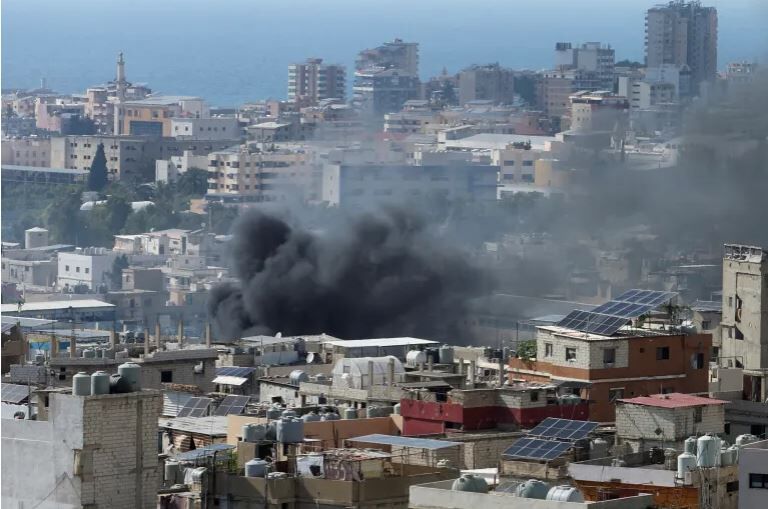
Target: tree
pixel 97 177
pixel 63 218
pixel 629 63
pixel 193 183
pixel 116 276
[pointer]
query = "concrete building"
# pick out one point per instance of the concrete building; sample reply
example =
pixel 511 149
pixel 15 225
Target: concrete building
pixel 391 55
pixel 29 268
pixel 753 475
pixel 90 267
pixel 683 34
pixel 598 111
pixel 745 316
pixel 632 362
pixel 313 81
pixel 645 473
pixel 169 170
pixel 558 85
pixel 361 185
pixel 154 116
pixel 211 128
pixel 643 95
pixel 77 310
pixel 127 155
pixel 487 82
pixel 591 57
pixel 253 173
pixel 378 90
pixel 84 451
pixel 666 420
pixel 441 494
pixel 27 151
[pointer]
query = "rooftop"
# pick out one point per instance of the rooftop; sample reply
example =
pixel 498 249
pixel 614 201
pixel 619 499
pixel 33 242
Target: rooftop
pixel 163 100
pixel 415 443
pixel 55 305
pixel 382 342
pixel 38 169
pixel 673 400
pixel 213 425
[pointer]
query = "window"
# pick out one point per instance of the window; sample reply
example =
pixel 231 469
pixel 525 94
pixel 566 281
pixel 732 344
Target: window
pixel 570 354
pixel 662 353
pixel 758 481
pixel 166 376
pixel 77 269
pixel 548 349
pixel 609 356
pixel 732 486
pixel 527 163
pixel 706 324
pixel 730 302
pixel 87 270
pixel 534 395
pixel 66 267
pixel 697 411
pixel 614 394
pixel 698 361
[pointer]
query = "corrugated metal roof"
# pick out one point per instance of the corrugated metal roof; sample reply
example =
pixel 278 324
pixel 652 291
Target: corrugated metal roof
pixel 673 400
pixel 415 443
pixel 229 380
pixel 56 305
pixel 203 452
pixel 173 401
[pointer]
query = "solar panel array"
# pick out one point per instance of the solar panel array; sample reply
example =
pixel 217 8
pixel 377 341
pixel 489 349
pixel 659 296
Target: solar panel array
pixel 12 393
pixel 634 303
pixel 234 371
pixel 232 405
pixel 537 449
pixel 563 429
pixel 596 323
pixel 195 407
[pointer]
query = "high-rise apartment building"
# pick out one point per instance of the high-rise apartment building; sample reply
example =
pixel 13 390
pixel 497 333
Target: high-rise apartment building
pixel 313 81
pixel 386 77
pixel 592 57
pixel 487 82
pixel 684 34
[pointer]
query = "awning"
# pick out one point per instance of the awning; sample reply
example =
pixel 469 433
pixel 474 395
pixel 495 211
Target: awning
pixel 229 380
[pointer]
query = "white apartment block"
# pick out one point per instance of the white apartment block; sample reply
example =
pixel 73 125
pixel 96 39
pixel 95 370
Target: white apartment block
pixel 90 267
pixel 259 174
pixel 213 128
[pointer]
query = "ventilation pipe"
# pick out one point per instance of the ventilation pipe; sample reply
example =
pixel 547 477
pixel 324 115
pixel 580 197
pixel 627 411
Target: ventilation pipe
pixel 72 346
pixel 113 340
pixel 430 364
pixel 147 341
pixel 391 372
pixel 181 333
pixel 472 372
pixel 157 335
pixel 370 373
pixel 208 339
pixel 501 370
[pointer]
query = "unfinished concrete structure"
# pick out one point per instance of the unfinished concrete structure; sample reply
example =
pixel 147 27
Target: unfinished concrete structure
pixel 84 451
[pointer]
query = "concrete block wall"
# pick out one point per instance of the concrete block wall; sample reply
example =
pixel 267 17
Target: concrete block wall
pixel 639 421
pixel 183 373
pixel 589 353
pixel 120 465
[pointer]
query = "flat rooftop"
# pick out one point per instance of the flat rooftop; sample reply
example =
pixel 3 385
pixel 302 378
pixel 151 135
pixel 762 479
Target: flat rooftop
pixel 382 342
pixel 415 443
pixel 54 305
pixel 673 400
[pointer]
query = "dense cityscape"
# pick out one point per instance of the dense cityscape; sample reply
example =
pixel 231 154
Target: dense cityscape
pixel 494 287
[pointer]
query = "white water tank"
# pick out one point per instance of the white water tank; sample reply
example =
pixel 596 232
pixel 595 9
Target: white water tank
pixel 471 483
pixel 598 448
pixel 297 376
pixel 131 372
pixel 565 494
pixel 727 457
pixel 670 459
pixel 415 357
pixel 171 472
pixel 690 445
pixel 743 440
pixel 446 354
pixel 100 383
pixel 532 488
pixel 707 451
pixel 290 430
pixel 685 463
pixel 81 384
pixel 274 412
pixel 330 416
pixel 350 413
pixel 256 468
pixel 310 417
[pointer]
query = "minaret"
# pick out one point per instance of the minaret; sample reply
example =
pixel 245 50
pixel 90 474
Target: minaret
pixel 120 82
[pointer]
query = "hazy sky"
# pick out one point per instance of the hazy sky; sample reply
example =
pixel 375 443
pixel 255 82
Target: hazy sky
pixel 233 50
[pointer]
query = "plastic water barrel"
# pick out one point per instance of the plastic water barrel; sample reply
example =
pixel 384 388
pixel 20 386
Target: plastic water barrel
pixel 100 383
pixel 310 417
pixel 330 416
pixel 707 451
pixel 564 494
pixel 685 463
pixel 256 468
pixel 670 459
pixel 350 413
pixel 297 376
pixel 89 353
pixel 532 488
pixel 372 411
pixel 271 433
pixel 81 384
pixel 743 440
pixel 274 412
pixel 690 445
pixel 598 448
pixel 726 457
pixel 118 384
pixel 471 483
pixel 446 354
pixel 288 412
pixel 290 430
pixel 247 433
pixel 132 373
pixel 171 472
pixel 415 357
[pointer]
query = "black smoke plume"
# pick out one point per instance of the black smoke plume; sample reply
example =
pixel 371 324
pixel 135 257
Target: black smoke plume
pixel 379 274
